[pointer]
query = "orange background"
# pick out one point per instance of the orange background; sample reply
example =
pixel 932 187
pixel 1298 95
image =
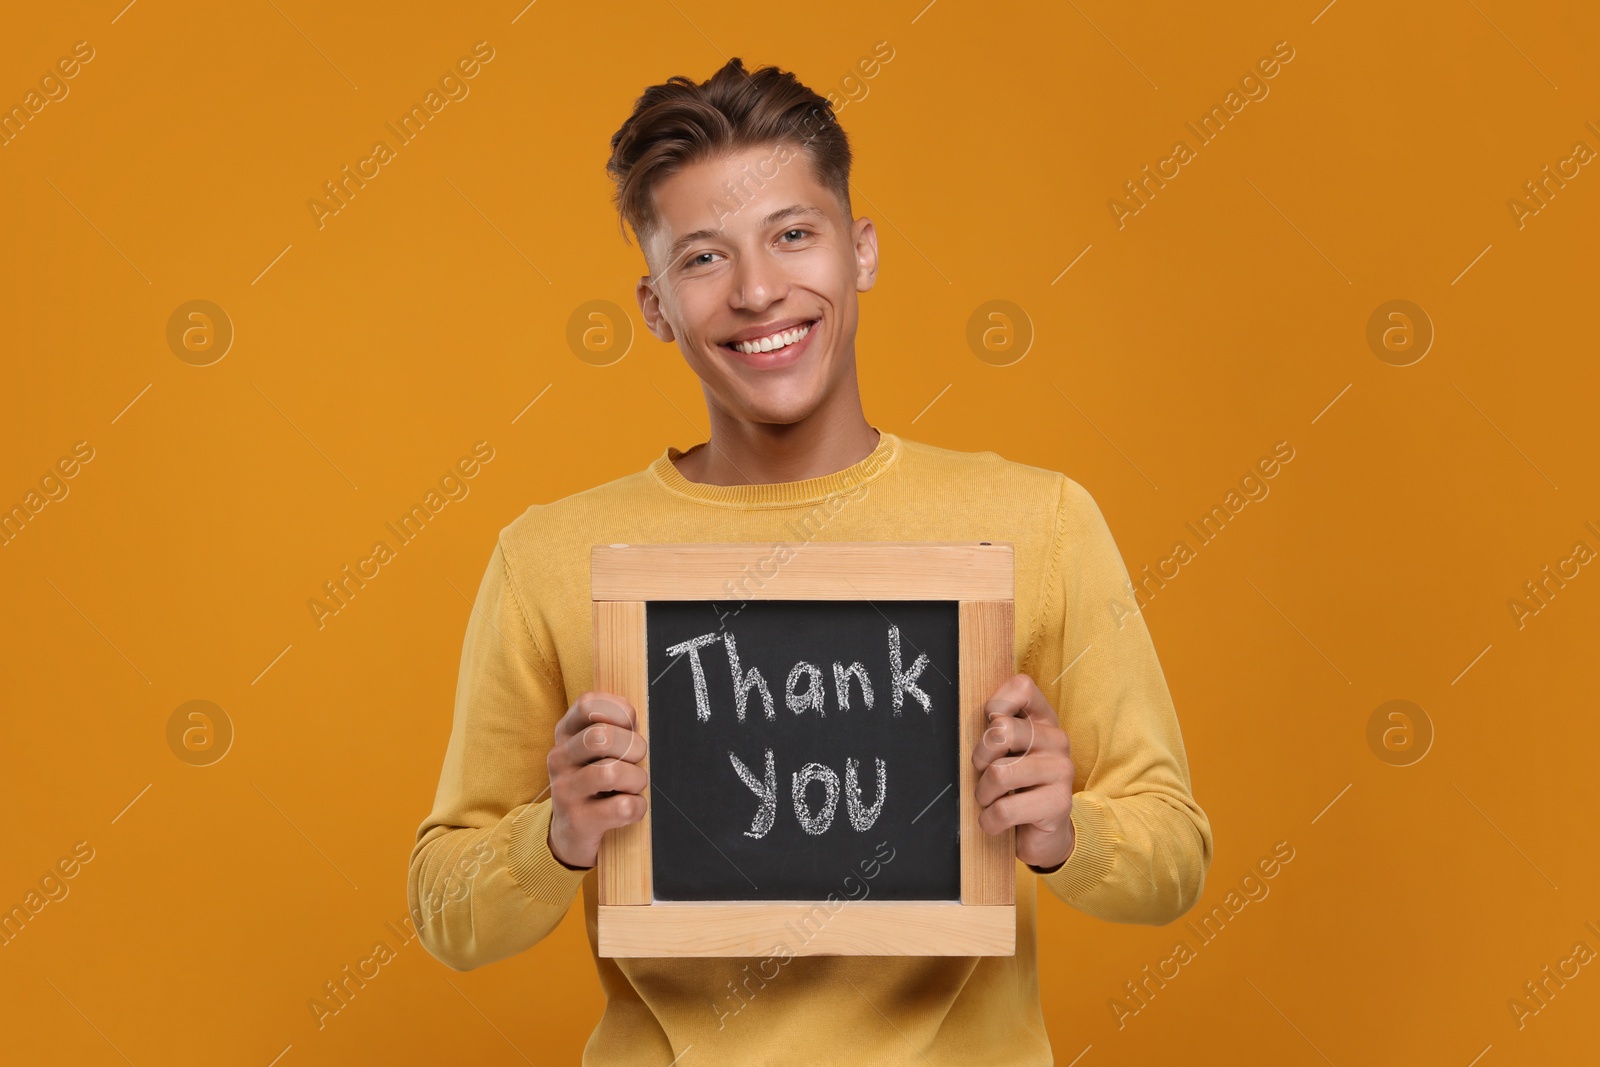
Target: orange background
pixel 1230 313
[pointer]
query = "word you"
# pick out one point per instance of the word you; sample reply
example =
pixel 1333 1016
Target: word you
pixel 16 118
pixel 51 485
pixel 456 883
pixel 1211 126
pixel 412 123
pixel 54 887
pixel 782 953
pixel 338 992
pixel 855 89
pixel 1522 1011
pixel 340 592
pixel 902 681
pixel 812 822
pixel 1538 189
pixel 1251 889
pixel 1211 526
pixel 1523 610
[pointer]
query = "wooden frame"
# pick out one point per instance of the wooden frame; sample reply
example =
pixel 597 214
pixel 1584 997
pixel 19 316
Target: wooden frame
pixel 978 575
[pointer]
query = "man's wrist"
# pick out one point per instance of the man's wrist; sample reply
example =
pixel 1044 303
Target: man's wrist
pixel 549 844
pixel 533 866
pixel 1052 870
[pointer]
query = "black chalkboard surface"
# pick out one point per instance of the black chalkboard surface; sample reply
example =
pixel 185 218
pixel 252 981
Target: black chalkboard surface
pixel 841 746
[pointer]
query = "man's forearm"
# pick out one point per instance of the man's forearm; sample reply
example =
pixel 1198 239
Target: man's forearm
pixel 480 895
pixel 1135 859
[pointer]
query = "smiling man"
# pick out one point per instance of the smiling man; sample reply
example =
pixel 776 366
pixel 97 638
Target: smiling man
pixel 737 189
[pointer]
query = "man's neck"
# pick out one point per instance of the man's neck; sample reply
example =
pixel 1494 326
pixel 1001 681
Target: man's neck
pixel 741 453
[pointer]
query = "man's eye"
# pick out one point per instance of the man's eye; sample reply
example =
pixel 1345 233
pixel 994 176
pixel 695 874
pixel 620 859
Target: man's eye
pixel 698 261
pixel 802 233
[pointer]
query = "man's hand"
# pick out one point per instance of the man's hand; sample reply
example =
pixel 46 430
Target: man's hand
pixel 1025 772
pixel 595 777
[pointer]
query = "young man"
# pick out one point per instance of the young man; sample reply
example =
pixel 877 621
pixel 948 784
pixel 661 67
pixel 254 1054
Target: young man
pixel 738 191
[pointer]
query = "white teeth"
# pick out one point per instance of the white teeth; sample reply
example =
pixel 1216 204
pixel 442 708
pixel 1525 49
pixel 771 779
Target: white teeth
pixel 776 341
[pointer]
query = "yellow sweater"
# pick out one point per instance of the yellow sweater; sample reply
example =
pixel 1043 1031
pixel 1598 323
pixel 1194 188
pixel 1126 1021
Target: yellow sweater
pixel 484 885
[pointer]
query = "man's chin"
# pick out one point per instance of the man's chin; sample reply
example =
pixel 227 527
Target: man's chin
pixel 777 411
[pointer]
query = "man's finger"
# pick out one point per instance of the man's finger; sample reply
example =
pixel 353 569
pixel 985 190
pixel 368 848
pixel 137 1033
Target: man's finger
pixel 619 810
pixel 1006 775
pixel 1004 737
pixel 602 740
pixel 1020 697
pixel 1040 806
pixel 594 707
pixel 1017 737
pixel 600 780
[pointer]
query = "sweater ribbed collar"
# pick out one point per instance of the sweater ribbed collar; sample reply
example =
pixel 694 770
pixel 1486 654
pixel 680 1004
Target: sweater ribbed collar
pixel 777 494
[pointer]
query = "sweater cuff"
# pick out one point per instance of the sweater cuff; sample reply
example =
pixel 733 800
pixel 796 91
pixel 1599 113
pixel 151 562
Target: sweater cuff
pixel 1094 849
pixel 534 867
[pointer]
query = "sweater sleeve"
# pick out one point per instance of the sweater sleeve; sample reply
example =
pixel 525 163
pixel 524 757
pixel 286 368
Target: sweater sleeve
pixel 483 883
pixel 1143 845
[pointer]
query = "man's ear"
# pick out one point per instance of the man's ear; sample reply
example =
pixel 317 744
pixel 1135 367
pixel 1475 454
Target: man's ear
pixel 650 308
pixel 866 254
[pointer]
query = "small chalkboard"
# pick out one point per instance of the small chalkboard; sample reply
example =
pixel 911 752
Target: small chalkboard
pixel 842 736
pixel 810 729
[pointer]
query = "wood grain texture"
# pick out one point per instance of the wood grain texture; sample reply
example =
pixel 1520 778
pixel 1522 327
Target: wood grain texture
pixel 619 667
pixel 988 861
pixel 809 928
pixel 836 570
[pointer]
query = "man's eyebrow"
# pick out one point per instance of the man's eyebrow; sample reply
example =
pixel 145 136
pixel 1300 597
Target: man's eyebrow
pixel 775 217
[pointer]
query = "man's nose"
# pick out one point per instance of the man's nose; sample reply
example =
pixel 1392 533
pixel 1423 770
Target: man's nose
pixel 757 282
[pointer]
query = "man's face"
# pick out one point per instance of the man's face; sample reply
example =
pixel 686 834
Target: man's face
pixel 777 255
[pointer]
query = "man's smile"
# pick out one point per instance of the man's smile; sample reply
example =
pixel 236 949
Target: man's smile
pixel 772 346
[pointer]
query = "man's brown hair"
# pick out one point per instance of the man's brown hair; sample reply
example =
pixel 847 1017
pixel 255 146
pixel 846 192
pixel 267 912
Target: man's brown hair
pixel 678 123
